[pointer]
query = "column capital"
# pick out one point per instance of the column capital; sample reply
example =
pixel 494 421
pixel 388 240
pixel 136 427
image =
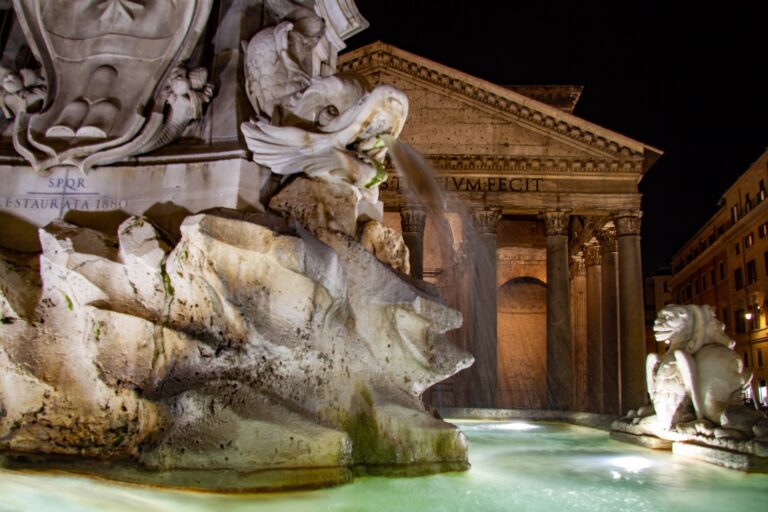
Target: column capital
pixel 462 256
pixel 577 265
pixel 592 255
pixel 413 219
pixel 608 241
pixel 555 222
pixel 487 220
pixel 627 222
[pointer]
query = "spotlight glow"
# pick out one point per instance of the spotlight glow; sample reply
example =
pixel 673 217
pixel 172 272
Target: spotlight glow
pixel 517 426
pixel 632 464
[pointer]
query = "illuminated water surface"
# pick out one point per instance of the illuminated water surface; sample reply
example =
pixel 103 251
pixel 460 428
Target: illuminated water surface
pixel 515 467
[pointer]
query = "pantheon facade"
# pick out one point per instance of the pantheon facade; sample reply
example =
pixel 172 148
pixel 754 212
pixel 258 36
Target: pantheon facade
pixel 538 239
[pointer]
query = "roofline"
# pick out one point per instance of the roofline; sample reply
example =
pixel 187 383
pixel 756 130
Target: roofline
pixel 546 113
pixel 720 207
pixel 742 175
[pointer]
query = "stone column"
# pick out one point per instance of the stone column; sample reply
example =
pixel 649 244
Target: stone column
pixel 559 359
pixel 631 311
pixel 579 329
pixel 412 220
pixel 483 309
pixel 463 265
pixel 594 329
pixel 610 319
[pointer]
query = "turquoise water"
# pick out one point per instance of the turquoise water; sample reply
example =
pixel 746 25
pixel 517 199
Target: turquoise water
pixel 515 467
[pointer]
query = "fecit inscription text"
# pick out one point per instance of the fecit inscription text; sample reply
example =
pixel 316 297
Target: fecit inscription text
pixel 60 192
pixel 469 184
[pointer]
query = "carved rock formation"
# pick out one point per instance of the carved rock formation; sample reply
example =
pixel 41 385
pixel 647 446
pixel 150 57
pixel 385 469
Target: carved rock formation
pixel 249 347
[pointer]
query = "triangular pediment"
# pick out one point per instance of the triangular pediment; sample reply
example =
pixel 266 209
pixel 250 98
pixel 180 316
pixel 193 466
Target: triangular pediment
pixel 455 117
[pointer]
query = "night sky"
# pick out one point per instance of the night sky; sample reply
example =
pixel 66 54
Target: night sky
pixel 692 84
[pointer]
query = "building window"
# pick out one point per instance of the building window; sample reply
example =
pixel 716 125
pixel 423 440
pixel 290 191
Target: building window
pixel 703 282
pixel 722 269
pixel 738 279
pixel 765 263
pixel 712 275
pixel 696 286
pixel 759 358
pixel 734 214
pixel 751 272
pixel 739 321
pixel 737 248
pixel 747 204
pixel 761 193
pixel 749 241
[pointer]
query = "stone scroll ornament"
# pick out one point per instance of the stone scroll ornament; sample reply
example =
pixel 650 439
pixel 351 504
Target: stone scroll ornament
pixel 697 387
pixel 108 64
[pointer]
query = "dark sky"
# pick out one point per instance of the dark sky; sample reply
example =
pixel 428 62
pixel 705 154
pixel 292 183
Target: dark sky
pixel 691 83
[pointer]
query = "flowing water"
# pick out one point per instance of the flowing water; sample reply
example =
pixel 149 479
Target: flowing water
pixel 516 466
pixel 474 256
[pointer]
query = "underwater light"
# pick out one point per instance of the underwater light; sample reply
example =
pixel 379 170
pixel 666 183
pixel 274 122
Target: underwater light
pixel 633 464
pixel 516 426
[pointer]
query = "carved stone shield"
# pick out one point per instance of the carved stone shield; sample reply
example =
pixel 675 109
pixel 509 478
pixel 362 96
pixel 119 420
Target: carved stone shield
pixel 106 62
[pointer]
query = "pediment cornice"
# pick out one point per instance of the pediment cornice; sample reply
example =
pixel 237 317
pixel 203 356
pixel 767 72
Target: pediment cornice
pixel 378 57
pixel 553 165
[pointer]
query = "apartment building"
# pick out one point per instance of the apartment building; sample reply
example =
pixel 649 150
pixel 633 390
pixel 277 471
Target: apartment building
pixel 725 265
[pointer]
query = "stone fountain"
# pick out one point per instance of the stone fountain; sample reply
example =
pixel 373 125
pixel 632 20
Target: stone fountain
pixel 273 340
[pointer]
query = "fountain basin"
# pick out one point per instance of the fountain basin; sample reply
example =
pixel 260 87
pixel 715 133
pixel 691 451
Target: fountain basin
pixel 516 465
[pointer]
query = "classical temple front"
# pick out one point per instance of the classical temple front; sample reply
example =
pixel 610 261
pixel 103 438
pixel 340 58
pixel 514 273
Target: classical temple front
pixel 554 201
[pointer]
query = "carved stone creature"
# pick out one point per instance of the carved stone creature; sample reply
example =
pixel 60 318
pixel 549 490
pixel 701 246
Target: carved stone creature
pixel 278 60
pixel 337 134
pixel 334 130
pixel 700 378
pixel 21 92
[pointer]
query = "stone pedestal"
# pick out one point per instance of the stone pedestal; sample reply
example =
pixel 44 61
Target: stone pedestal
pixel 594 329
pixel 482 309
pixel 559 357
pixel 412 221
pixel 579 328
pixel 165 193
pixel 610 320
pixel 631 311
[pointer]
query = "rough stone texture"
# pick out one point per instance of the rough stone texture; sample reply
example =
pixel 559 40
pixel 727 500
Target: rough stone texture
pixel 321 205
pixel 250 346
pixel 387 245
pixel 725 458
